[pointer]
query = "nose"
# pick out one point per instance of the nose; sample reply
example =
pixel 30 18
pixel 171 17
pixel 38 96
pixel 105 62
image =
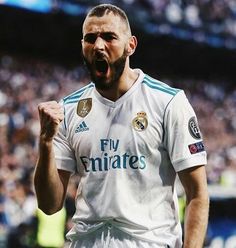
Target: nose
pixel 99 44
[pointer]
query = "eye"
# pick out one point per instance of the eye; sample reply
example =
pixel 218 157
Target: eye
pixel 90 38
pixel 108 36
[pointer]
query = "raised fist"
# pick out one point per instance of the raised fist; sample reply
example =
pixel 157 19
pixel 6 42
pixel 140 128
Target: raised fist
pixel 51 114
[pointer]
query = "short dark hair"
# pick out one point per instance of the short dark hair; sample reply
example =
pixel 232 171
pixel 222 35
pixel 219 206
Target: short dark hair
pixel 103 9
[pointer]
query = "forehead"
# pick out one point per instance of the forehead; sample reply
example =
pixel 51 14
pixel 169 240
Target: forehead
pixel 106 23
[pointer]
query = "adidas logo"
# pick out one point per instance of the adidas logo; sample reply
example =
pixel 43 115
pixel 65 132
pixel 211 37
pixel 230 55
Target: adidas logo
pixel 82 127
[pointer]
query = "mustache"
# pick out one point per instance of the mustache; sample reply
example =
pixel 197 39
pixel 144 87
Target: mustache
pixel 99 56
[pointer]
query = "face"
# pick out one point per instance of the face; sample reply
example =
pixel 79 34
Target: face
pixel 105 47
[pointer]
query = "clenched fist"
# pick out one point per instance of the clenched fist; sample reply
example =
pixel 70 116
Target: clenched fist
pixel 51 114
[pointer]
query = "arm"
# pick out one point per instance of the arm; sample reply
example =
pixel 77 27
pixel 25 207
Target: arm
pixel 50 183
pixel 196 216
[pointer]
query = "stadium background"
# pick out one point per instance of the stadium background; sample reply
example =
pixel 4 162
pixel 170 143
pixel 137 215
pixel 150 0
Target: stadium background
pixel 189 44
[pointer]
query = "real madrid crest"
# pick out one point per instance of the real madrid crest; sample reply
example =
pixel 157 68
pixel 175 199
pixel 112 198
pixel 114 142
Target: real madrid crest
pixel 84 106
pixel 140 122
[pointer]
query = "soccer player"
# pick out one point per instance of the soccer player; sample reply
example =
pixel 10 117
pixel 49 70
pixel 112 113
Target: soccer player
pixel 128 136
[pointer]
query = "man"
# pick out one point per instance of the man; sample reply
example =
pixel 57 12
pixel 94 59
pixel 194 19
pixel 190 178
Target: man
pixel 127 135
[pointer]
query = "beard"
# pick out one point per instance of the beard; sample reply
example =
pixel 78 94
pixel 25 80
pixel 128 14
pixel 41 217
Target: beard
pixel 116 69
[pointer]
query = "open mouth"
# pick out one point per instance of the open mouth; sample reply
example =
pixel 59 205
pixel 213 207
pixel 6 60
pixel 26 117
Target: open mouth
pixel 101 66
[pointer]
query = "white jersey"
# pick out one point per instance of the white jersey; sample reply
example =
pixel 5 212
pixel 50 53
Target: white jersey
pixel 127 154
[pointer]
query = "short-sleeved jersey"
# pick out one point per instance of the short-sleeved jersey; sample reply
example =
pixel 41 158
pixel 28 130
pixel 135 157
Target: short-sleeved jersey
pixel 127 154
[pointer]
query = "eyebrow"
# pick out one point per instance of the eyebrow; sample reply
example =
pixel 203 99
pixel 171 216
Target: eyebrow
pixel 100 33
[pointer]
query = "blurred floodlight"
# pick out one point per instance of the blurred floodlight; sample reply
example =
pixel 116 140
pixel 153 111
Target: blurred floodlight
pixel 34 5
pixel 174 13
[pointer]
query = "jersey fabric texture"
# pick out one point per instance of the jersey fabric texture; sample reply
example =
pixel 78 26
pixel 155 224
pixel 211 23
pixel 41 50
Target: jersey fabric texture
pixel 110 237
pixel 127 154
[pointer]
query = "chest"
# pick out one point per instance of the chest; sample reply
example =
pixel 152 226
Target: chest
pixel 131 127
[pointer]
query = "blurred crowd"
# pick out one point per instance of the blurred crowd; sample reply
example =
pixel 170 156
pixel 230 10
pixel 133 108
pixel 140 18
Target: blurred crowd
pixel 25 83
pixel 212 16
pixel 22 86
pixel 209 21
pixel 217 16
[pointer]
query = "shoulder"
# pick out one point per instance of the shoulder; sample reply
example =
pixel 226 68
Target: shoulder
pixel 74 97
pixel 160 93
pixel 70 102
pixel 159 87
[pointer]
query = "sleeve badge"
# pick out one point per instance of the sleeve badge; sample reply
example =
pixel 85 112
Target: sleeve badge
pixel 193 128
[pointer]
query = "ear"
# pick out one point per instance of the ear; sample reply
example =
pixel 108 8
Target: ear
pixel 132 45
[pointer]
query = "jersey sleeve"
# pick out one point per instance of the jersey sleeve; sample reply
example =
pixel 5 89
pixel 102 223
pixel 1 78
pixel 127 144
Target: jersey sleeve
pixel 64 154
pixel 183 138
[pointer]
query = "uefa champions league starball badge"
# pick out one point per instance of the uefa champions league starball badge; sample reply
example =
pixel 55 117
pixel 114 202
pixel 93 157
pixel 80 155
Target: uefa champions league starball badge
pixel 193 128
pixel 84 106
pixel 140 122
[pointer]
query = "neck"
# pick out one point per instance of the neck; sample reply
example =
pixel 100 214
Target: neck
pixel 126 81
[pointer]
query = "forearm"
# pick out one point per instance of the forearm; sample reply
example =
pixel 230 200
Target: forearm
pixel 196 220
pixel 48 186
